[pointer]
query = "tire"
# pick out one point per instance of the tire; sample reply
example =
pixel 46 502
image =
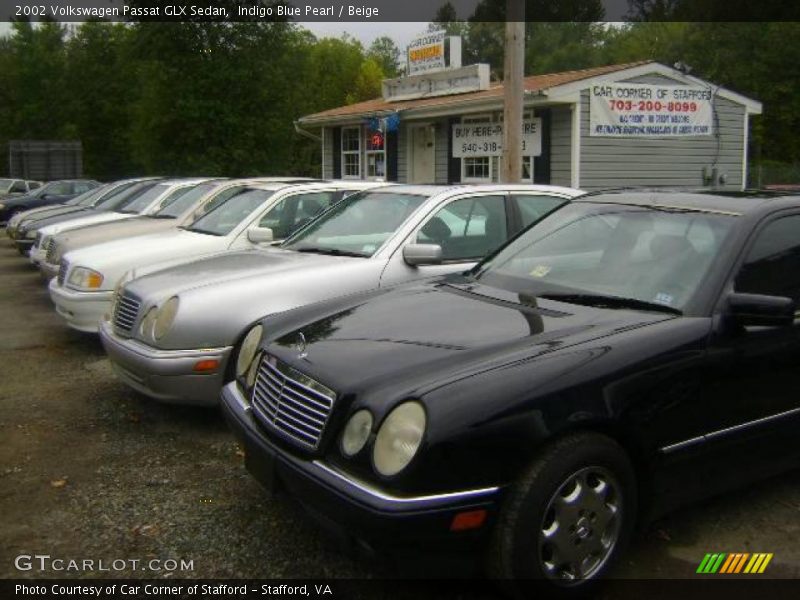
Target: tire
pixel 588 481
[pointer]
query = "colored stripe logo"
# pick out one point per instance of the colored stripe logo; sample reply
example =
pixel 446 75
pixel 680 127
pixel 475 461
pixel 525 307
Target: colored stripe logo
pixel 734 563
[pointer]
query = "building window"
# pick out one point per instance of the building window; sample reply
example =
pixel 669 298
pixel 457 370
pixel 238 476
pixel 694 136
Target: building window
pixel 476 169
pixel 351 152
pixel 527 161
pixel 375 154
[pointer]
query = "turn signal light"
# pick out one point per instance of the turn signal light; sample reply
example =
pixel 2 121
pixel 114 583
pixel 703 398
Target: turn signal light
pixel 204 366
pixel 472 519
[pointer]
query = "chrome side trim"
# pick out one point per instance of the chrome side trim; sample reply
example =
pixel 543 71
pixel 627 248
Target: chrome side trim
pixel 431 499
pixel 727 431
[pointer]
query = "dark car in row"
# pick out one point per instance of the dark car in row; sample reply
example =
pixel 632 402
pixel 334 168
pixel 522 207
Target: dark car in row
pixel 629 353
pixel 55 192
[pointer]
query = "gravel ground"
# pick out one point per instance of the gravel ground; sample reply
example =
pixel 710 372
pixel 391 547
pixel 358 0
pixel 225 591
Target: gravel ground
pixel 91 469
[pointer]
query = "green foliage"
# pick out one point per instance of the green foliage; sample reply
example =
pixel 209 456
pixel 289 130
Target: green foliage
pixel 181 98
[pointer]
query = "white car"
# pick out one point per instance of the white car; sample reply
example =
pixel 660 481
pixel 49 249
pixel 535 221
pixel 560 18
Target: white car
pixel 149 202
pixel 260 214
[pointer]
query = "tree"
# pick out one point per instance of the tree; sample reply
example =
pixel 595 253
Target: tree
pixel 386 54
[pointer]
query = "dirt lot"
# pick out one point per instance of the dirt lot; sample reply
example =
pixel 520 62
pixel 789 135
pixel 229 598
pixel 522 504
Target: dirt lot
pixel 91 469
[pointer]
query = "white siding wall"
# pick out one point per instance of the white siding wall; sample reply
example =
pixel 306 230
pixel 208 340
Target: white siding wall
pixel 561 146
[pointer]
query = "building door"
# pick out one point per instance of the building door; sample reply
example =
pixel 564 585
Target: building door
pixel 423 154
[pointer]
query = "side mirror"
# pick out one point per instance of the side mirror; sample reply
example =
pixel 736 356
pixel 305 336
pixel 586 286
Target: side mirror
pixel 761 311
pixel 260 235
pixel 422 254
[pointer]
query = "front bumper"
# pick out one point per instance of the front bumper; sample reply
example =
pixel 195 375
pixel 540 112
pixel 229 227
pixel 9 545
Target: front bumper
pixel 37 256
pixel 166 375
pixel 353 510
pixel 82 310
pixel 48 270
pixel 24 245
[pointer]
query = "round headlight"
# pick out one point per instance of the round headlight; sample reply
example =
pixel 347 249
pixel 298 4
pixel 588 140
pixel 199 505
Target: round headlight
pixel 399 438
pixel 146 328
pixel 248 350
pixel 164 317
pixel 356 433
pixel 253 371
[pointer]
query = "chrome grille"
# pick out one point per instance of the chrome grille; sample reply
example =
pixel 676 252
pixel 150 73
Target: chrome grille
pixel 51 251
pixel 62 272
pixel 39 237
pixel 125 311
pixel 290 403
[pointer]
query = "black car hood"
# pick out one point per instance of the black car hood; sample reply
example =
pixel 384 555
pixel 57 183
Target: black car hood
pixel 438 331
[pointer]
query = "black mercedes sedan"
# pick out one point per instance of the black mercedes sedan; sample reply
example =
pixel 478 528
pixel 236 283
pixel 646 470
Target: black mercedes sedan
pixel 631 352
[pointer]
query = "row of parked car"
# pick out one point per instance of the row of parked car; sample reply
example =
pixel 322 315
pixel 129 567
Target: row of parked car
pixel 522 368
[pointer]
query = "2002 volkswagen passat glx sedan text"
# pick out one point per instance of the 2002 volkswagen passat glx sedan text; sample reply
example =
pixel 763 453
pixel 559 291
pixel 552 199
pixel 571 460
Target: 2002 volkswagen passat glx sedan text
pixel 628 353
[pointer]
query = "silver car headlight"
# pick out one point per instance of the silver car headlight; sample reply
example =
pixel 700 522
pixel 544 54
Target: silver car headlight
pixel 87 279
pixel 30 235
pixel 399 438
pixel 248 350
pixel 356 433
pixel 146 326
pixel 164 317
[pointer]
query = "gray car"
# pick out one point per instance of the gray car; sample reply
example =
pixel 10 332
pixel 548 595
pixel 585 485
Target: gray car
pixel 170 333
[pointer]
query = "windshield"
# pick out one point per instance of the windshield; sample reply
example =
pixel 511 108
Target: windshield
pixel 650 255
pixel 182 200
pixel 122 195
pixel 138 204
pixel 224 218
pixel 358 225
pixel 87 198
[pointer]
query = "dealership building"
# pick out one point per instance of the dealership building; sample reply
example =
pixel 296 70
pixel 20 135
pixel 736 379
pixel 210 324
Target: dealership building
pixel 636 124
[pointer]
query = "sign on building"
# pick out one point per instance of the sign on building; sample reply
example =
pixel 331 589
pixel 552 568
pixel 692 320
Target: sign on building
pixel 433 51
pixel 486 139
pixel 440 83
pixel 426 53
pixel 649 111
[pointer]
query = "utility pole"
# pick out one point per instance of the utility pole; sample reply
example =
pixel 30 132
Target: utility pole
pixel 513 85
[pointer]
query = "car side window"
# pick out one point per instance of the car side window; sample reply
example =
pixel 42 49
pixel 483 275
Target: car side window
pixel 19 186
pixel 772 266
pixel 532 208
pixel 293 212
pixel 59 189
pixel 468 228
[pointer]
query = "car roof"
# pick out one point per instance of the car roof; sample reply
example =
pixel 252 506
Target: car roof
pixel 723 202
pixel 431 189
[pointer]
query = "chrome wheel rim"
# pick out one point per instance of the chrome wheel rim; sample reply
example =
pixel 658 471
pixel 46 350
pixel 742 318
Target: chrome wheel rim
pixel 581 526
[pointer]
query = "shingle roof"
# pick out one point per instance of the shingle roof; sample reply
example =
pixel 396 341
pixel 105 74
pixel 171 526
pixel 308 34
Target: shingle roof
pixel 534 83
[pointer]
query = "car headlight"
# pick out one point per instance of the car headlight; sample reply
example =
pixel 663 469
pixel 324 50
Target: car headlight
pixel 164 317
pixel 2 206
pixel 81 277
pixel 146 326
pixel 399 438
pixel 356 433
pixel 253 371
pixel 30 235
pixel 248 350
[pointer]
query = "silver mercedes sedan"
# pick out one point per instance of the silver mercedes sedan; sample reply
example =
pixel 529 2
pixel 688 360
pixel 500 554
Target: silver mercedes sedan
pixel 171 332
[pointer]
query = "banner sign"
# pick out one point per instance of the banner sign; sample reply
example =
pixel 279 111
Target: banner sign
pixel 486 139
pixel 649 111
pixel 426 53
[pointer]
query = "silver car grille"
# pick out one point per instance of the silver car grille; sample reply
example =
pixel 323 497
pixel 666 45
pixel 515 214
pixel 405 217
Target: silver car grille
pixel 62 272
pixel 50 256
pixel 39 237
pixel 290 403
pixel 125 311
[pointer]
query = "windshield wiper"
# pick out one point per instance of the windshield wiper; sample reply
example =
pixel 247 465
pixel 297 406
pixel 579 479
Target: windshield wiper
pixel 157 216
pixel 602 301
pixel 331 251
